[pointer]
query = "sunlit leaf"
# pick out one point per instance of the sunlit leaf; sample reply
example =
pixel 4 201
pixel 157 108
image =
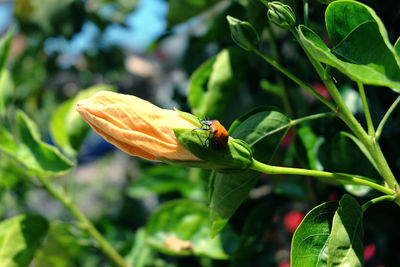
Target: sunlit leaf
pixel 310 241
pixel 6 89
pixel 33 155
pixel 6 84
pixel 215 82
pixel 5 45
pixel 346 240
pixel 181 227
pixel 19 238
pixel 356 33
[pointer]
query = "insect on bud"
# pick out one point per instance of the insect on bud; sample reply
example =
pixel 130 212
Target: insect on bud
pixel 281 15
pixel 243 34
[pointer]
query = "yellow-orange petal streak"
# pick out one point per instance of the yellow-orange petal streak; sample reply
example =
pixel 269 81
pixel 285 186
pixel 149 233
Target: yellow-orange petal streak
pixel 136 126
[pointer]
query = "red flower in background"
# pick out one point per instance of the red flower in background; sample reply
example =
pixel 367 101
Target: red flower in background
pixel 369 252
pixel 292 220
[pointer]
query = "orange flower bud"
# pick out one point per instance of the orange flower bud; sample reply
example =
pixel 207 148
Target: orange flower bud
pixel 136 126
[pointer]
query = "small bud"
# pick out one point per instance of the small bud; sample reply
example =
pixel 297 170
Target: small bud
pixel 243 34
pixel 282 15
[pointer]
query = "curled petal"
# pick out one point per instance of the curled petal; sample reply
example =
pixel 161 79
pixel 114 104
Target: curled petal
pixel 136 126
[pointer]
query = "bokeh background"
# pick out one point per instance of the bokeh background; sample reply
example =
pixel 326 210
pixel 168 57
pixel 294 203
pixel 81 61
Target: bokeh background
pixel 150 48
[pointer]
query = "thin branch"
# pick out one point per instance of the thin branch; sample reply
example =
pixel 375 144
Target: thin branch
pixel 385 118
pixel 371 129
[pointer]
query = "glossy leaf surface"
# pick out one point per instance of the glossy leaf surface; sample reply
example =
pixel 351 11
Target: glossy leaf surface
pixel 346 239
pixel 356 33
pixel 310 241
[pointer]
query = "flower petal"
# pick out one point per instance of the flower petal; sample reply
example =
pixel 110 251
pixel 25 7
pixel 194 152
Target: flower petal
pixel 136 126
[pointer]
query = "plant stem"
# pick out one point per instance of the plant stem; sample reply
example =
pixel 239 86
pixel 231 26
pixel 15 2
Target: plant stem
pixel 385 118
pixel 371 129
pixel 312 117
pixel 275 52
pixel 368 204
pixel 85 223
pixel 265 168
pixel 305 2
pixel 295 79
pixel 343 113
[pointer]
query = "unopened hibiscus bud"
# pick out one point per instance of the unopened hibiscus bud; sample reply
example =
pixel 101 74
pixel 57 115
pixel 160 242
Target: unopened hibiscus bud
pixel 243 34
pixel 281 15
pixel 136 126
pixel 142 129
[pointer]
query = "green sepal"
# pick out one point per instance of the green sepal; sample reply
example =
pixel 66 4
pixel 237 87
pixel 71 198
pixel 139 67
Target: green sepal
pixel 190 117
pixel 243 34
pixel 236 156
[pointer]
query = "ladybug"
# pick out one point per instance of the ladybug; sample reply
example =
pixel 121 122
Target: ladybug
pixel 218 132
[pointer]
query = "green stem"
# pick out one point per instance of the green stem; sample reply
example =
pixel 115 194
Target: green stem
pixel 295 79
pixel 347 117
pixel 368 204
pixel 265 168
pixel 369 142
pixel 275 52
pixel 85 224
pixel 371 129
pixel 385 118
pixel 305 12
pixel 312 117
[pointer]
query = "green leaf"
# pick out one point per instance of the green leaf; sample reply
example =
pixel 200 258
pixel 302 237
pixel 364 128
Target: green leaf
pixel 263 131
pixel 65 243
pixel 397 47
pixel 67 128
pixel 141 254
pixel 181 10
pixel 250 244
pixel 215 82
pixel 162 179
pixel 345 246
pixel 6 84
pixel 372 74
pixel 309 144
pixel 6 89
pixel 181 227
pixel 310 241
pixel 356 33
pixel 33 155
pixel 20 236
pixel 197 85
pixel 5 45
